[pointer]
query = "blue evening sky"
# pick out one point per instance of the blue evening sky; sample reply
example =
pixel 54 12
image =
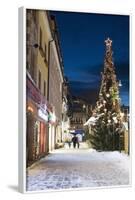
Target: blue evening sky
pixel 82 38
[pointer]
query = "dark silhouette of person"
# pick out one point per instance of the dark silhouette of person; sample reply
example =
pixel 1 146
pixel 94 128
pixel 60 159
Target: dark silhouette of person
pixel 78 144
pixel 75 141
pixel 69 143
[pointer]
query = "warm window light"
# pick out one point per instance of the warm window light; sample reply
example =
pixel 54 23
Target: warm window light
pixel 30 109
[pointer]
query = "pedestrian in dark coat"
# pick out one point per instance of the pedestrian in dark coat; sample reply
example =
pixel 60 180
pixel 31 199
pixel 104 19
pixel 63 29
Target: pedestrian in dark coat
pixel 75 141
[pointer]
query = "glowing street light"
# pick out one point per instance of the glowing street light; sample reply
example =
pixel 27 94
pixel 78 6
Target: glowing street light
pixel 120 84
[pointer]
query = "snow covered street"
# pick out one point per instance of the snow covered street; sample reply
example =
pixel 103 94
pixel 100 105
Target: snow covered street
pixel 78 168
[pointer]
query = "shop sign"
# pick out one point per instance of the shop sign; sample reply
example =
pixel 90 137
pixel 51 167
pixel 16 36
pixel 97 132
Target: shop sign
pixel 52 117
pixel 43 114
pixel 34 93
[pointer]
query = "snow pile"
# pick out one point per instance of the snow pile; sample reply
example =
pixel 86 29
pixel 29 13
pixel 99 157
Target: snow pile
pixel 91 150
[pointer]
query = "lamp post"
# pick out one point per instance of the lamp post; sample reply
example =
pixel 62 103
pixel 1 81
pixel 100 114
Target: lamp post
pixel 113 136
pixel 115 121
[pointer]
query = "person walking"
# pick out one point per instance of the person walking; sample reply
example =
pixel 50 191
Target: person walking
pixel 69 142
pixel 75 141
pixel 78 144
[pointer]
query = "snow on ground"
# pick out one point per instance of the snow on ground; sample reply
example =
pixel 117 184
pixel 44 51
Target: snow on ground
pixel 78 168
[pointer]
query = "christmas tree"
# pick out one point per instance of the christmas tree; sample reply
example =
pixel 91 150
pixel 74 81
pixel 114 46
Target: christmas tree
pixel 107 128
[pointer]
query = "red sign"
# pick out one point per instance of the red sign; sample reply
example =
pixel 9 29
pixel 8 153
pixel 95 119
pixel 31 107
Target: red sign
pixel 34 93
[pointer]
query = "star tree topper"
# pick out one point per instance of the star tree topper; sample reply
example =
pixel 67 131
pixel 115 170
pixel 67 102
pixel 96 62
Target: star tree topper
pixel 108 42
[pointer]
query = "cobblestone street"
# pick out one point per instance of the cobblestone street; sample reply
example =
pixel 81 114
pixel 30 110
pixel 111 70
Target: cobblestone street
pixel 78 168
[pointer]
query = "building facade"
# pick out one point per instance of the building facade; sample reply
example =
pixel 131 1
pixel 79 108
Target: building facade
pixel 38 107
pixel 65 111
pixel 44 78
pixel 47 110
pixel 55 86
pixel 79 116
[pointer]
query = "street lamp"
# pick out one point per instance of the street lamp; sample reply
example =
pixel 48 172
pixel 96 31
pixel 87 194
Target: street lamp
pixel 84 107
pixel 120 84
pixel 113 123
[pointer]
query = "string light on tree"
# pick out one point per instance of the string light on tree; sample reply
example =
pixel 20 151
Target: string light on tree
pixel 109 104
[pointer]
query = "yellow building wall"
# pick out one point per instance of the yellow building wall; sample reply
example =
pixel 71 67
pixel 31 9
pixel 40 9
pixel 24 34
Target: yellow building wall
pixel 41 64
pixel 126 142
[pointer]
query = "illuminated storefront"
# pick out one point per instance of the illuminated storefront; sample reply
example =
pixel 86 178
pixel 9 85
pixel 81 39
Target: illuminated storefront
pixel 37 123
